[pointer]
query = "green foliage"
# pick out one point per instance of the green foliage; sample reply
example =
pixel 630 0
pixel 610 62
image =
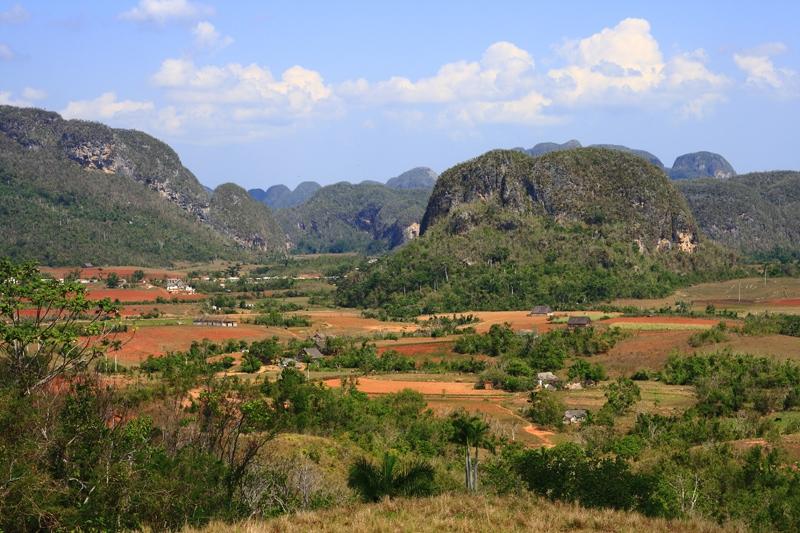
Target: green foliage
pixel 43 324
pixel 586 372
pixel 274 318
pixel 726 383
pixel 367 217
pixel 765 200
pixel 486 249
pixel 388 480
pixel 772 324
pixel 621 395
pixel 105 218
pixel 251 363
pixel 546 409
pixel 714 335
pixel 112 281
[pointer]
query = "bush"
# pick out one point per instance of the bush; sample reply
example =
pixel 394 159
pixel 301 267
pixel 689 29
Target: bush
pixel 546 409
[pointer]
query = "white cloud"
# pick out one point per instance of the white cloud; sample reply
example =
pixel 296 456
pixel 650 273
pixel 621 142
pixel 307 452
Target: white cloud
pixel 498 88
pixel 104 107
pixel 206 36
pixel 29 93
pixel 7 98
pixel 14 15
pixel 761 71
pixel 163 11
pixel 6 53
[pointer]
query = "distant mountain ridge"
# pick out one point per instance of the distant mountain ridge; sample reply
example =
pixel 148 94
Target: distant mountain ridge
pixel 281 196
pixel 114 196
pixel 756 212
pixel 687 166
pixel 365 217
pixel 416 178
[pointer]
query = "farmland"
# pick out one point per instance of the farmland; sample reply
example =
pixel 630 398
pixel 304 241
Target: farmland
pixel 356 382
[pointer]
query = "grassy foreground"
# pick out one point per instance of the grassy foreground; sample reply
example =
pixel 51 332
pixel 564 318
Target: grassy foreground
pixel 463 513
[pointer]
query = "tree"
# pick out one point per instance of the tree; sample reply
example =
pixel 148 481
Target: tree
pixel 586 372
pixel 250 363
pixel 374 482
pixel 112 281
pixel 621 395
pixel 49 328
pixel 470 430
pixel 546 409
pixel 137 276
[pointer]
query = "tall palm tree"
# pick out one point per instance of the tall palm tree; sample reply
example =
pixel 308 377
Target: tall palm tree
pixel 470 430
pixel 374 482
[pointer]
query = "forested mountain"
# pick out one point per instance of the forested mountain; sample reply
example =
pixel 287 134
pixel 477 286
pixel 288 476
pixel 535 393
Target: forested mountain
pixel 701 165
pixel 75 191
pixel 281 196
pixel 506 230
pixel 367 217
pixel 548 147
pixel 416 178
pixel 756 212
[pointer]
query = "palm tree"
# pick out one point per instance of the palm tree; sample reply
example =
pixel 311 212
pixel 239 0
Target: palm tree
pixel 374 482
pixel 470 430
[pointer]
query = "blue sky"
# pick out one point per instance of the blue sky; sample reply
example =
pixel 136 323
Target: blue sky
pixel 261 93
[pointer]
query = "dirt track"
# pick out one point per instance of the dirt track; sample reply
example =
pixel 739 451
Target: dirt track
pixel 431 388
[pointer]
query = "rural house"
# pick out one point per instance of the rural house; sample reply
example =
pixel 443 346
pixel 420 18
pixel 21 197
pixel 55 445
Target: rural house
pixel 310 354
pixel 215 322
pixel 547 380
pixel 541 310
pixel 575 416
pixel 575 322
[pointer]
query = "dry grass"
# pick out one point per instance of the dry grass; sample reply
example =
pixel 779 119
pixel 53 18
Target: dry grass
pixel 466 514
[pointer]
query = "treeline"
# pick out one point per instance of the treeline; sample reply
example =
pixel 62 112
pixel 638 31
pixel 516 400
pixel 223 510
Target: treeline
pixel 564 267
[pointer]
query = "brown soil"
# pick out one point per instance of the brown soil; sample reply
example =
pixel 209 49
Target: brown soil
pixel 438 388
pixel 157 340
pixel 643 350
pixel 139 295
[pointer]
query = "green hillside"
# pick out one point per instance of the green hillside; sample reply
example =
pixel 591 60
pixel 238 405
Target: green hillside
pixel 367 217
pixel 75 192
pixel 506 231
pixel 755 212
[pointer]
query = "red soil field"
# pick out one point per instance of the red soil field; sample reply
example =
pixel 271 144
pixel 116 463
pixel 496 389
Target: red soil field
pixel 157 340
pixel 140 295
pixel 789 302
pixel 643 350
pixel 422 348
pixel 351 323
pixel 662 320
pixel 122 271
pixel 438 388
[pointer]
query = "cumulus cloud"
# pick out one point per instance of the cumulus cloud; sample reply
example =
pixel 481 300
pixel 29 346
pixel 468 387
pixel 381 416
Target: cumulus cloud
pixel 104 107
pixel 29 97
pixel 619 66
pixel 761 71
pixel 497 88
pixel 163 11
pixel 29 93
pixel 206 36
pixel 6 53
pixel 251 90
pixel 14 15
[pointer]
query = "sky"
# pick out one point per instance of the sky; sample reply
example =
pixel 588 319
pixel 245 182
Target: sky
pixel 265 92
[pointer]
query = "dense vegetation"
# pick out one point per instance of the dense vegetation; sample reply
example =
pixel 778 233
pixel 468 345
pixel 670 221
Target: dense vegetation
pixel 368 217
pixel 110 197
pixel 756 212
pixel 506 231
pixel 185 445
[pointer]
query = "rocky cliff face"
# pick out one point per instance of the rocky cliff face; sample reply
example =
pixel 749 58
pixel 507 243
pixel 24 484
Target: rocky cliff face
pixel 588 186
pixel 701 165
pixel 132 154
